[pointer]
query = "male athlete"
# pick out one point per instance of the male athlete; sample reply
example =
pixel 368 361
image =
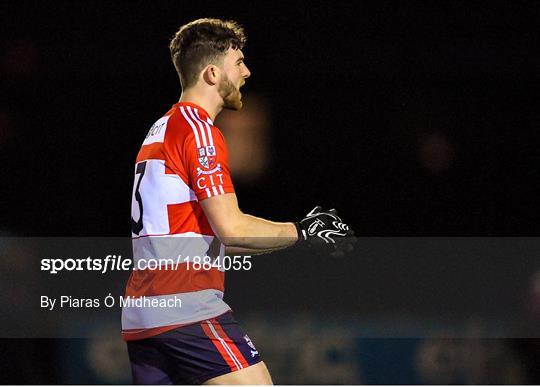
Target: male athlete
pixel 184 205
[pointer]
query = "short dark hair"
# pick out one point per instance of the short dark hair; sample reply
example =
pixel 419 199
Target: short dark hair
pixel 202 42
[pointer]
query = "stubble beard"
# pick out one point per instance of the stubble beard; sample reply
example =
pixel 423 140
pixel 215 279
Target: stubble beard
pixel 232 99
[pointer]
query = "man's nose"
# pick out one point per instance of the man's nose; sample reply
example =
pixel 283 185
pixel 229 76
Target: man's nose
pixel 247 73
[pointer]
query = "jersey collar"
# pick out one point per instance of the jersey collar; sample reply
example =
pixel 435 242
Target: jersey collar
pixel 204 115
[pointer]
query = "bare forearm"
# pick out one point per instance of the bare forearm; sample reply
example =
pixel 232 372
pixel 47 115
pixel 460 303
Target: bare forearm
pixel 236 229
pixel 232 250
pixel 250 232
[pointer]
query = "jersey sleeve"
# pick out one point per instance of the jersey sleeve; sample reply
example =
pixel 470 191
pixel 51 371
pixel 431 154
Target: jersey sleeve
pixel 206 164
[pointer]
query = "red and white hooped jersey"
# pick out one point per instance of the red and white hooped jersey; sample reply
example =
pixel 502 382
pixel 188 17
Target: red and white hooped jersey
pixel 182 161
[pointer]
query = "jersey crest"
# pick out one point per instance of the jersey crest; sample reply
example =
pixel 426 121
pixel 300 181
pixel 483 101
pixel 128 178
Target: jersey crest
pixel 207 156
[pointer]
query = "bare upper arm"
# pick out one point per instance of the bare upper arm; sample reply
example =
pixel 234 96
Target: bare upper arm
pixel 234 228
pixel 223 214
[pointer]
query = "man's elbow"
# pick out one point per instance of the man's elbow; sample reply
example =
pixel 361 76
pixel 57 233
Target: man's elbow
pixel 233 234
pixel 233 239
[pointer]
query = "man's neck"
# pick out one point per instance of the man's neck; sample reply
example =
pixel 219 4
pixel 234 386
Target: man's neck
pixel 209 101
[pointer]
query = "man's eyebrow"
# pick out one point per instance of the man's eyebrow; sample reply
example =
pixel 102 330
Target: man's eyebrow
pixel 240 60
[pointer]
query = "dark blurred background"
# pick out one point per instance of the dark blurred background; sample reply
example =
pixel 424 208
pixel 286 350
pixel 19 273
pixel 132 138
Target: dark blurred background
pixel 411 118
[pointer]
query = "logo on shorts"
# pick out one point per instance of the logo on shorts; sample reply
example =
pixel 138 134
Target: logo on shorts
pixel 250 343
pixel 207 156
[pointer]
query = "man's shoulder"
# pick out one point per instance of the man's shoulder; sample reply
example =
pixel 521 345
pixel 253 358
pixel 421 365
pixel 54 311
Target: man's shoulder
pixel 184 123
pixel 156 133
pixel 186 120
pixel 171 126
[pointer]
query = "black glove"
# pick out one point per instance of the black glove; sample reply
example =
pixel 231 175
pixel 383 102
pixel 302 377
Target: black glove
pixel 326 228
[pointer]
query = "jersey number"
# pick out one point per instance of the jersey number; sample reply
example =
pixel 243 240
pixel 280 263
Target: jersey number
pixel 137 226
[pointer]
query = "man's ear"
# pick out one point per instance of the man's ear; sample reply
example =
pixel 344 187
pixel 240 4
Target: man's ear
pixel 211 74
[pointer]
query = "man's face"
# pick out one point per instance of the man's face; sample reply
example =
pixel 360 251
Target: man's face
pixel 234 76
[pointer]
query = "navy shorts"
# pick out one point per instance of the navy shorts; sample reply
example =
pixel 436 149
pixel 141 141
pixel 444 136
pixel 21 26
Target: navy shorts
pixel 192 354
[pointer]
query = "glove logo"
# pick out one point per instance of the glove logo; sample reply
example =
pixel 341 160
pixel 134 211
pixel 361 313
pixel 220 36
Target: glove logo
pixel 326 235
pixel 312 229
pixel 340 226
pixel 326 227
